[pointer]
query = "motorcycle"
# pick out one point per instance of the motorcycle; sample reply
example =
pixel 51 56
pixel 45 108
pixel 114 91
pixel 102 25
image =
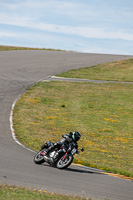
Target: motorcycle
pixel 62 161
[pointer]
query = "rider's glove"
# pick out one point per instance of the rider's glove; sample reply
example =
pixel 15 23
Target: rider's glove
pixel 77 151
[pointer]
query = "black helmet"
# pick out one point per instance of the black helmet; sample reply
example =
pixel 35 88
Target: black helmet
pixel 76 135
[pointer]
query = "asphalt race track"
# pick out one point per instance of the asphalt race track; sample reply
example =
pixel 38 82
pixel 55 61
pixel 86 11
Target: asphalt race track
pixel 18 71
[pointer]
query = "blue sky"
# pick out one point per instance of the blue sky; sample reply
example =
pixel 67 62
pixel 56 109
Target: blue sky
pixel 93 26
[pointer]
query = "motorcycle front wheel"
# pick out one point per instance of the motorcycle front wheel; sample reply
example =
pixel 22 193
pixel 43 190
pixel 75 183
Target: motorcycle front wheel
pixel 62 164
pixel 39 159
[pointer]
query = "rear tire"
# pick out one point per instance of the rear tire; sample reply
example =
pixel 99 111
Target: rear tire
pixel 39 159
pixel 64 164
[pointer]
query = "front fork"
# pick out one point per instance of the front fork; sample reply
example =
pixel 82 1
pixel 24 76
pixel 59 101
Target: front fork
pixel 64 156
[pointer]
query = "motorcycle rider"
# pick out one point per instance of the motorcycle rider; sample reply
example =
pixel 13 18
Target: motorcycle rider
pixel 66 142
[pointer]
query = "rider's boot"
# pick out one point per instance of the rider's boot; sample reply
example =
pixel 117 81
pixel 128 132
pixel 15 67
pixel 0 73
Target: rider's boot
pixel 46 156
pixel 47 151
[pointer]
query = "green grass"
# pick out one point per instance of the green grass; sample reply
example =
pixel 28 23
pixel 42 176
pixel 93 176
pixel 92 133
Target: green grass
pixel 103 113
pixel 9 48
pixel 19 193
pixel 114 71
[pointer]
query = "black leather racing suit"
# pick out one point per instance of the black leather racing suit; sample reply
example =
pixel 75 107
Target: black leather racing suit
pixel 66 142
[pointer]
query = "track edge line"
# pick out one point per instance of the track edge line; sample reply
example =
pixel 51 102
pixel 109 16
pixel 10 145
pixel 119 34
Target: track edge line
pixel 12 129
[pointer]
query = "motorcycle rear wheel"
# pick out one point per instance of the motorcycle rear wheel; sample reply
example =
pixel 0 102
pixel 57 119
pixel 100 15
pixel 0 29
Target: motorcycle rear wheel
pixel 39 159
pixel 62 164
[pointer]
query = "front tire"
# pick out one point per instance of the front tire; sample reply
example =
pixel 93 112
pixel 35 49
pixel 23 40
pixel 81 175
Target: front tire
pixel 39 159
pixel 62 164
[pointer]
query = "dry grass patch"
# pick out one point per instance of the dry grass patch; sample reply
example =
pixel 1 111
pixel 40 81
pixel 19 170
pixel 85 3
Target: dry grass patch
pixel 114 71
pixel 101 112
pixel 10 48
pixel 19 193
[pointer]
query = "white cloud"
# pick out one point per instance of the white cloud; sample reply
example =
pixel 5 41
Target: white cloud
pixel 7 34
pixel 99 33
pixel 55 23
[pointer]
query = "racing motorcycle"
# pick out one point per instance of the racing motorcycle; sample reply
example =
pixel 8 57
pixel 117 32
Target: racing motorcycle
pixel 62 161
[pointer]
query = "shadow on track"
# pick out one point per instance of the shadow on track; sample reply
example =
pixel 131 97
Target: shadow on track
pixel 81 171
pixel 70 169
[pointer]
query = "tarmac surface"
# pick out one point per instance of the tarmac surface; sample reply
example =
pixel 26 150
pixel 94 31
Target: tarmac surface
pixel 18 71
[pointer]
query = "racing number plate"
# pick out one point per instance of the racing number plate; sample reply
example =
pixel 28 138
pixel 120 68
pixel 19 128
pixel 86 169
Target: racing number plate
pixel 73 151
